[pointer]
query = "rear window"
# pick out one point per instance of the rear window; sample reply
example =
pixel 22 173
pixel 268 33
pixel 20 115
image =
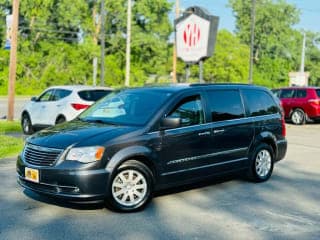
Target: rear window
pixel 93 95
pixel 318 92
pixel 259 103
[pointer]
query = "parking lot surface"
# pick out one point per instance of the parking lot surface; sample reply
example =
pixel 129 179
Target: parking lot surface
pixel 285 207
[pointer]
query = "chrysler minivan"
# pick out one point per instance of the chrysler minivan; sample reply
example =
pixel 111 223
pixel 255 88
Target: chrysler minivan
pixel 137 141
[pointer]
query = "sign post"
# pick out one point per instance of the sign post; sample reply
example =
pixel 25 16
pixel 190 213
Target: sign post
pixel 196 32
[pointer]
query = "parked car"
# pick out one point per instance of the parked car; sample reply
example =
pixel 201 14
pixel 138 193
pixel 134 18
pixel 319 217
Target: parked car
pixel 59 104
pixel 300 103
pixel 138 141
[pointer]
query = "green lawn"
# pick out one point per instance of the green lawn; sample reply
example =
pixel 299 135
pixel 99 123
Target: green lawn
pixel 9 146
pixel 7 127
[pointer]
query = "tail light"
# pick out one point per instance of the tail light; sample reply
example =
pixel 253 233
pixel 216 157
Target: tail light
pixel 79 106
pixel 314 101
pixel 283 125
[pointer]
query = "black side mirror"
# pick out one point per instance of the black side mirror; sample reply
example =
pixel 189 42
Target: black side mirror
pixel 170 122
pixel 34 99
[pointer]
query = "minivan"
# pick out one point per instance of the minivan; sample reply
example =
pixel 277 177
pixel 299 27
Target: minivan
pixel 135 142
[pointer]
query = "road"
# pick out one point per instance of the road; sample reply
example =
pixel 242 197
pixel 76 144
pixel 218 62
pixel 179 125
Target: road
pixel 285 207
pixel 19 103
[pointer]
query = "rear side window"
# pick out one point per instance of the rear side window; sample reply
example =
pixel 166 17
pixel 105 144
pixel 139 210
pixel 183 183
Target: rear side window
pixel 93 95
pixel 318 92
pixel 225 105
pixel 60 94
pixel 301 93
pixel 259 103
pixel 287 93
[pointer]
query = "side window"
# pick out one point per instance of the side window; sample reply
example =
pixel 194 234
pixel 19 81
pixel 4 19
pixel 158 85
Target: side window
pixel 287 93
pixel 259 102
pixel 60 93
pixel 190 111
pixel 225 105
pixel 301 93
pixel 46 96
pixel 276 92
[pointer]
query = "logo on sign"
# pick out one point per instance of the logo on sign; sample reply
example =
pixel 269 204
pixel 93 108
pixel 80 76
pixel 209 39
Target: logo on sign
pixel 191 35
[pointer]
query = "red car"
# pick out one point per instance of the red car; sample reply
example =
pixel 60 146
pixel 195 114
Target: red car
pixel 300 103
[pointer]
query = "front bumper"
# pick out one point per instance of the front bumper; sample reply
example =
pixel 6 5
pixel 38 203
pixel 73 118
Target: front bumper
pixel 66 181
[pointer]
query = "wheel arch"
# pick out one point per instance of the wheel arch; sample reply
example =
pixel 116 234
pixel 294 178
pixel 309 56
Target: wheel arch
pixel 60 115
pixel 267 138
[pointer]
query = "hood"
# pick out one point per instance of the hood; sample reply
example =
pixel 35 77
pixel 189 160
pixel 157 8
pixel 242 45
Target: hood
pixel 78 133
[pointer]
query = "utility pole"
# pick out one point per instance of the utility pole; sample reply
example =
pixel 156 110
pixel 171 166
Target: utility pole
pixel 128 48
pixel 102 40
pixel 253 19
pixel 174 67
pixel 303 53
pixel 13 59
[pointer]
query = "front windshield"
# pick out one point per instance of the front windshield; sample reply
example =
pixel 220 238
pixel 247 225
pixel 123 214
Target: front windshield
pixel 128 107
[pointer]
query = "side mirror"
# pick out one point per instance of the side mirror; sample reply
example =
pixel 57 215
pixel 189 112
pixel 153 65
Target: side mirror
pixel 170 122
pixel 34 99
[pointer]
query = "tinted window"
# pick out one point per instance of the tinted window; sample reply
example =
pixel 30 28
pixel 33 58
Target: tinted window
pixel 318 92
pixel 190 111
pixel 287 93
pixel 259 102
pixel 301 93
pixel 60 94
pixel 46 96
pixel 276 92
pixel 93 95
pixel 129 107
pixel 225 105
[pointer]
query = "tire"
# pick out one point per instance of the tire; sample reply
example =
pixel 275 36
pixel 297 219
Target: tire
pixel 261 164
pixel 298 117
pixel 26 124
pixel 130 188
pixel 60 119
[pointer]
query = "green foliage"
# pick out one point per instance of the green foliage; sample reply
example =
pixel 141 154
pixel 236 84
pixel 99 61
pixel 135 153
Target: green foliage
pixel 7 127
pixel 10 146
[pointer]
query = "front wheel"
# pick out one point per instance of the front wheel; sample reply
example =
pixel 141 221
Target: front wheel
pixel 26 124
pixel 131 187
pixel 261 164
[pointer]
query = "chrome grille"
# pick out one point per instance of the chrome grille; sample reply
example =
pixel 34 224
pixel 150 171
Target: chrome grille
pixel 41 156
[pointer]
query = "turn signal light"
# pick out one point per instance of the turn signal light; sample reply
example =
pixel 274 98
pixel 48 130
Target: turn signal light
pixel 79 106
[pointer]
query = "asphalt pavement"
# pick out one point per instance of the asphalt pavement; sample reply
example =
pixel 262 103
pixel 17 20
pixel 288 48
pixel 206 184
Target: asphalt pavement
pixel 18 106
pixel 285 207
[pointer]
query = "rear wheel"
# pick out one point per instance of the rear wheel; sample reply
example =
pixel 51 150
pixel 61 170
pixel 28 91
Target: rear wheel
pixel 298 117
pixel 60 119
pixel 26 124
pixel 131 187
pixel 261 164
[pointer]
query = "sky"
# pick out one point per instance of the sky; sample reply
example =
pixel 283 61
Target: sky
pixel 309 19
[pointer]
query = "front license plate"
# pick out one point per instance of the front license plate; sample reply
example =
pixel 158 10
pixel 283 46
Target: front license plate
pixel 31 174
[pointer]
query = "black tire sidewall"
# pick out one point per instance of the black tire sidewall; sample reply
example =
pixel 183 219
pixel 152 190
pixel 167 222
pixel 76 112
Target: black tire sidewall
pixel 144 170
pixel 253 172
pixel 304 116
pixel 26 117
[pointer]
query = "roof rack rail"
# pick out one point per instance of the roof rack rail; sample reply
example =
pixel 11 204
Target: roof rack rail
pixel 213 84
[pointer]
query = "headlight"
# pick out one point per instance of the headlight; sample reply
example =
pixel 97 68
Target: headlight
pixel 85 154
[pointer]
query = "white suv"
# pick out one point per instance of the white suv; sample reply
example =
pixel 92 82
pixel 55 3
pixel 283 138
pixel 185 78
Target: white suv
pixel 59 104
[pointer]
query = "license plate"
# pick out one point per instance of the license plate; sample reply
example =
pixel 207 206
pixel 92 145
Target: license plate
pixel 31 174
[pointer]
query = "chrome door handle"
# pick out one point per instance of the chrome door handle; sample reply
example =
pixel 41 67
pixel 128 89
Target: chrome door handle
pixel 218 131
pixel 206 133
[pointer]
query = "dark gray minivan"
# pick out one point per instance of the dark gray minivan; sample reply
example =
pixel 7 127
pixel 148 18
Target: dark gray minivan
pixel 137 141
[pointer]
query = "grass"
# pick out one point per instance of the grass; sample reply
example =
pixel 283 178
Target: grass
pixel 7 127
pixel 9 146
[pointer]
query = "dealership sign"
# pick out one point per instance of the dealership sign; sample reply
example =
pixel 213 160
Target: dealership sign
pixel 196 34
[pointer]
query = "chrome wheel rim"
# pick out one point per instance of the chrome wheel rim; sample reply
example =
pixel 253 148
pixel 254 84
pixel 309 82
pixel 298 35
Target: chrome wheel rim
pixel 129 188
pixel 263 163
pixel 297 117
pixel 25 124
